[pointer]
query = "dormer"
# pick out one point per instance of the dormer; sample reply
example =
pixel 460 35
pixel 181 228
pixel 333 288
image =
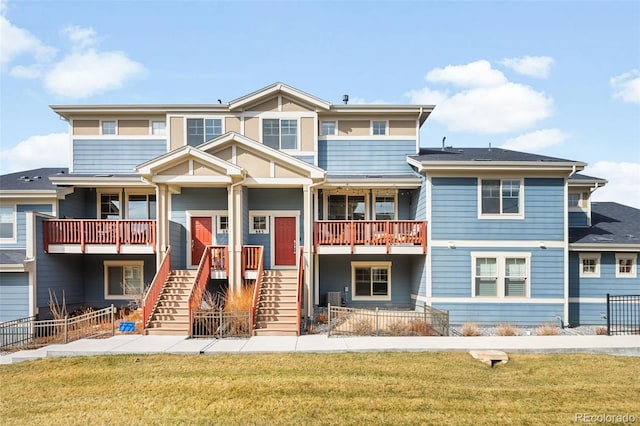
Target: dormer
pixel 580 188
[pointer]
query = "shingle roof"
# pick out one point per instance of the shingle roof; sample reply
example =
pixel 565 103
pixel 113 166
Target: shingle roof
pixel 35 179
pixel 480 154
pixel 12 257
pixel 611 223
pixel 580 178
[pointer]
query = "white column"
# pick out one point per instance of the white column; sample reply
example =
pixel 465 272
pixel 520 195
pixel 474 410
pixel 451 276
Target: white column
pixel 308 241
pixel 235 237
pixel 162 222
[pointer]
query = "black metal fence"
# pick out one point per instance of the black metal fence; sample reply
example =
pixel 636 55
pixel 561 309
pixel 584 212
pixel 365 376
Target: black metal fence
pixel 209 323
pixel 623 314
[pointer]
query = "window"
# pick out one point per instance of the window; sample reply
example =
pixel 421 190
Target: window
pixel 379 128
pixel 500 274
pixel 328 128
pixel 108 127
pixel 141 206
pixel 385 207
pixel 346 207
pixel 109 206
pixel 223 224
pixel 200 130
pixel 123 280
pixel 371 281
pixel 574 200
pixel 589 265
pixel 7 224
pixel 626 265
pixel 500 197
pixel 259 223
pixel 280 134
pixel 158 128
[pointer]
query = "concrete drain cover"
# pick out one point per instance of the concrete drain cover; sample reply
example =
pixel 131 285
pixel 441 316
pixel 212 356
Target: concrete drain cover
pixel 490 357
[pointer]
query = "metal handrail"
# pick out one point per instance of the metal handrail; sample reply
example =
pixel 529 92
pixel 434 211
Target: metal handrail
pixel 153 293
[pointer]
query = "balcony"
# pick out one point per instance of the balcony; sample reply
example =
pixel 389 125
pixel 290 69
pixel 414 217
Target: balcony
pixel 100 236
pixel 370 237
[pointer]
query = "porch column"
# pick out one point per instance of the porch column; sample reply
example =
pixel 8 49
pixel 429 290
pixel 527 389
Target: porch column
pixel 308 245
pixel 235 237
pixel 162 223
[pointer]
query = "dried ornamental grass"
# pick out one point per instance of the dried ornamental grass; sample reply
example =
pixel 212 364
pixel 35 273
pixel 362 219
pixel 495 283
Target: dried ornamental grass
pixel 470 329
pixel 506 330
pixel 547 330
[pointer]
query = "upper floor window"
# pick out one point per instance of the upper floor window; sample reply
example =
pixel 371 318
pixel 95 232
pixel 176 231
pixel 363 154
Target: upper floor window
pixel 109 205
pixel 379 127
pixel 590 265
pixel 626 265
pixel 108 127
pixel 280 134
pixel 328 128
pixel 141 206
pixel 385 207
pixel 7 223
pixel 500 197
pixel 158 128
pixel 200 130
pixel 346 207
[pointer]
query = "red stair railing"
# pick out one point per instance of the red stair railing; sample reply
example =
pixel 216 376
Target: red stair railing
pixel 153 293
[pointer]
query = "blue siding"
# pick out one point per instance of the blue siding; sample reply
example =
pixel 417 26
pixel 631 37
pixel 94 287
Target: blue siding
pixel 451 271
pixel 14 295
pixel 335 275
pixel 80 204
pixel 419 201
pixel 21 222
pixel 606 283
pixel 508 313
pixel 588 313
pixel 114 155
pixel 454 208
pixel 365 156
pixel 419 277
pixel 306 158
pixel 177 241
pixel 578 219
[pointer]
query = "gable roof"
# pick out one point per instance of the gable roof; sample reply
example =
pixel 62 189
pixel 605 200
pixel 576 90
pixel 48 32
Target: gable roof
pixel 277 88
pixel 34 183
pixel 487 158
pixel 612 225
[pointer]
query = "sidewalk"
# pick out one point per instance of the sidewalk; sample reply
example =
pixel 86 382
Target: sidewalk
pixel 320 343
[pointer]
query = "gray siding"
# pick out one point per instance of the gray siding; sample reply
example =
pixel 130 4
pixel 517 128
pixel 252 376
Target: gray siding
pixel 21 222
pixel 508 313
pixel 578 219
pixel 370 157
pixel 80 204
pixel 14 295
pixel 114 155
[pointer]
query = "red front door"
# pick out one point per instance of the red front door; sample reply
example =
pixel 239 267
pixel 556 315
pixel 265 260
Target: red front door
pixel 285 241
pixel 200 237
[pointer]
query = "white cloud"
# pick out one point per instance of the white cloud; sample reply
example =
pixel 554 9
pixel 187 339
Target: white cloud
pixel 29 72
pixel 28 154
pixel 627 86
pixel 17 42
pixel 537 141
pixel 473 74
pixel 80 75
pixel 532 66
pixel 486 103
pixel 81 37
pixel 624 181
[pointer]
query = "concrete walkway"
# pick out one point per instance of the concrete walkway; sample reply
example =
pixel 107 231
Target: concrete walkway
pixel 138 344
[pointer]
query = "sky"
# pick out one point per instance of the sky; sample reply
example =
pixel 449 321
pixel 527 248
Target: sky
pixel 554 78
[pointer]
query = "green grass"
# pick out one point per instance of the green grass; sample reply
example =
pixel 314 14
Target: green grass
pixel 307 389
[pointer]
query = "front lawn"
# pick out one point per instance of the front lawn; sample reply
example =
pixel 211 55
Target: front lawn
pixel 350 388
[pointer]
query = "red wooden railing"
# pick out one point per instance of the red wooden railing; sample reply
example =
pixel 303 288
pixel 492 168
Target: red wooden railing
pixel 220 259
pixel 259 253
pixel 300 283
pixel 96 231
pixel 152 294
pixel 251 256
pixel 370 233
pixel 202 279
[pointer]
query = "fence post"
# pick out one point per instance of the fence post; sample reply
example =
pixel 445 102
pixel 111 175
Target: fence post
pixel 377 329
pixel 66 326
pixel 328 319
pixel 608 317
pixel 113 320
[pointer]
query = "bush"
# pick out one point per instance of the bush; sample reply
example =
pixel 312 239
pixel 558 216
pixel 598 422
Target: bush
pixel 322 318
pixel 601 331
pixel 418 327
pixel 470 329
pixel 506 330
pixel 399 328
pixel 362 328
pixel 547 330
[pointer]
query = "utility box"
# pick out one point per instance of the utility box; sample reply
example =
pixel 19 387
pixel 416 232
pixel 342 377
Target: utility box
pixel 334 298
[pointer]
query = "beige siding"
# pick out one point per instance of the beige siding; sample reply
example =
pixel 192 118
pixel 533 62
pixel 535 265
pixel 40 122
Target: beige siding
pixel 225 154
pixel 133 127
pixel 232 124
pixel 86 127
pixel 270 105
pixel 307 135
pixel 402 127
pixel 289 105
pixel 200 169
pixel 354 128
pixel 255 166
pixel 177 132
pixel 251 128
pixel 284 172
pixel 181 169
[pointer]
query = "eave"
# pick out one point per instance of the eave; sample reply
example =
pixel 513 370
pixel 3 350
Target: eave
pixel 367 182
pixel 98 181
pixel 618 247
pixel 421 111
pixel 488 165
pixel 276 88
pixel 66 111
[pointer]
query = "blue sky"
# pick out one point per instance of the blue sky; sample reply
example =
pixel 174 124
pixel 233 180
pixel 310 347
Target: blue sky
pixel 555 78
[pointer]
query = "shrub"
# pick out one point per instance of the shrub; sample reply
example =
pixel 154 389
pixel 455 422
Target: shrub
pixel 418 327
pixel 470 329
pixel 322 318
pixel 362 328
pixel 399 328
pixel 506 330
pixel 547 330
pixel 239 301
pixel 601 331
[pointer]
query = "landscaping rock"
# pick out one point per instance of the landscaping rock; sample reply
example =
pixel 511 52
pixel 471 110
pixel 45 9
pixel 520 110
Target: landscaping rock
pixel 490 357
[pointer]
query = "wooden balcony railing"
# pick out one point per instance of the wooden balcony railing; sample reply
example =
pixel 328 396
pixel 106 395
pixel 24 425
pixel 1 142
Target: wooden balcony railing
pixel 380 233
pixel 101 232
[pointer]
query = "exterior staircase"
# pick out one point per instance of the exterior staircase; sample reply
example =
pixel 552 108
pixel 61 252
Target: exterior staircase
pixel 171 313
pixel 277 310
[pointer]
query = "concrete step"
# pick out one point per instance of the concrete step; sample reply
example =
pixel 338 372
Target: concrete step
pixel 171 318
pixel 166 332
pixel 289 326
pixel 277 304
pixel 263 332
pixel 276 316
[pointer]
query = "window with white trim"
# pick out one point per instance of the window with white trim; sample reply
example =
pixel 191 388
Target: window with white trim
pixel 123 279
pixel 500 274
pixel 346 207
pixel 158 128
pixel 500 197
pixel 200 130
pixel 109 128
pixel 589 265
pixel 109 205
pixel 385 207
pixel 371 280
pixel 379 128
pixel 626 265
pixel 7 224
pixel 223 224
pixel 327 128
pixel 141 206
pixel 280 134
pixel 258 223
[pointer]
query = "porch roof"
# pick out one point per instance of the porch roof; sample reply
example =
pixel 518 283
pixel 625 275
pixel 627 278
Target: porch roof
pixel 407 180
